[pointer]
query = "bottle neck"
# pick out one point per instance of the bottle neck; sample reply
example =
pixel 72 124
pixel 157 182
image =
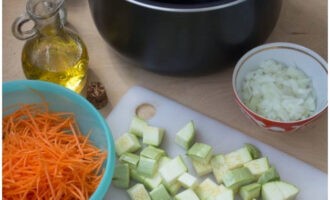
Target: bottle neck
pixel 49 26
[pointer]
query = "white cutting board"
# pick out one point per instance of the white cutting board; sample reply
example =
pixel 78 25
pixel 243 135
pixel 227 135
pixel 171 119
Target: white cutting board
pixel 172 116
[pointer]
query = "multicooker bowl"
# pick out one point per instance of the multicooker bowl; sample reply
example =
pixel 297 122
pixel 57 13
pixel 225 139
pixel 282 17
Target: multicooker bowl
pixel 181 37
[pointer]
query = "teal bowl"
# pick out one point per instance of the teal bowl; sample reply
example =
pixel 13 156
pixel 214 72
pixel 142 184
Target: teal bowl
pixel 62 99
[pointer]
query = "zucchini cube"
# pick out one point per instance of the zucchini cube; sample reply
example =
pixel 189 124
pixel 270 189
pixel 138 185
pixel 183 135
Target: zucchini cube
pixel 207 189
pixel 219 167
pixel 236 178
pixel 186 136
pixel 223 188
pixel 258 167
pixel 173 169
pixel 160 193
pixel 279 190
pixel 187 180
pixel 225 195
pixel 121 175
pixel 127 143
pixel 270 175
pixel 188 194
pixel 172 188
pixel 147 166
pixel 152 182
pixel 131 159
pixel 138 192
pixel 149 182
pixel 237 158
pixel 137 176
pixel 201 152
pixel 175 186
pixel 137 126
pixel 254 151
pixel 152 152
pixel 163 161
pixel 153 135
pixel 250 191
pixel 201 168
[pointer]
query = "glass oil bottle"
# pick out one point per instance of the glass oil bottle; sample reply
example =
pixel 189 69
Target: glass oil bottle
pixel 52 52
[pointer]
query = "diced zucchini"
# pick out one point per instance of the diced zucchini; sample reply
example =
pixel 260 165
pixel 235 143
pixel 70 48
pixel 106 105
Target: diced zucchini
pixel 237 158
pixel 172 170
pixel 251 191
pixel 257 167
pixel 131 159
pixel 152 152
pixel 201 168
pixel 149 182
pixel 207 189
pixel 279 190
pixel 137 176
pixel 254 151
pixel 147 166
pixel 200 152
pixel 172 188
pixel 138 192
pixel 270 191
pixel 152 182
pixel 223 188
pixel 238 177
pixel 137 126
pixel 237 170
pixel 163 160
pixel 188 194
pixel 218 160
pixel 186 136
pixel 288 190
pixel 153 135
pixel 219 167
pixel 268 176
pixel 187 180
pixel 127 143
pixel 226 195
pixel 121 176
pixel 160 193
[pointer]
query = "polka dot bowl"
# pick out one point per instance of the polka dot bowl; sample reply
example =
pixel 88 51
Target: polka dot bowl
pixel 313 65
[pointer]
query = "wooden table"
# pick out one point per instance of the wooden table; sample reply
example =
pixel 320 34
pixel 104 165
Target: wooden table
pixel 302 22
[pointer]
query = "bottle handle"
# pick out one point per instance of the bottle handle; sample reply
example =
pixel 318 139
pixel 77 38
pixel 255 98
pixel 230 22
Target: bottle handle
pixel 17 30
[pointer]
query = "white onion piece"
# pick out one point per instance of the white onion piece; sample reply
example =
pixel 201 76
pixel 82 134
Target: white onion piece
pixel 279 92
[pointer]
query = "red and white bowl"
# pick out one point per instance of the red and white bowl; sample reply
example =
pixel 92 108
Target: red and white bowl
pixel 290 54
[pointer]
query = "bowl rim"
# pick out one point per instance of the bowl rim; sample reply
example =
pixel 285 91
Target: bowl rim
pixel 170 7
pixel 276 45
pixel 103 187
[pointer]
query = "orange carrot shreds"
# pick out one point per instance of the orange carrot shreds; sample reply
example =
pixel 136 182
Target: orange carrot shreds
pixel 45 156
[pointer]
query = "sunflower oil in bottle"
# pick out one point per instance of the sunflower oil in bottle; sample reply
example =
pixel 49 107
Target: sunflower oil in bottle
pixel 52 52
pixel 60 59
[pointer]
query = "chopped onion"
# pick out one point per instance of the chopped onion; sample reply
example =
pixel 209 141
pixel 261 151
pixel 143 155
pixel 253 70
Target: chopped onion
pixel 279 92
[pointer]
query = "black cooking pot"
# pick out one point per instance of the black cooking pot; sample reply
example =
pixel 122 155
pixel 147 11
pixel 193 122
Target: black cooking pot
pixel 184 36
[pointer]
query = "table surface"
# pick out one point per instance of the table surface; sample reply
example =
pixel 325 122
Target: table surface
pixel 302 22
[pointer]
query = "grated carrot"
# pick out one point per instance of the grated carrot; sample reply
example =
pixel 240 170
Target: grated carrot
pixel 45 156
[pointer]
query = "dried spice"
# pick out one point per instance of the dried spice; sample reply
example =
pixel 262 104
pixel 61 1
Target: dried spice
pixel 96 94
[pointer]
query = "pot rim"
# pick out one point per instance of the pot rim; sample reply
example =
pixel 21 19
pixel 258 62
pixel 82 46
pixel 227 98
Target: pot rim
pixel 170 7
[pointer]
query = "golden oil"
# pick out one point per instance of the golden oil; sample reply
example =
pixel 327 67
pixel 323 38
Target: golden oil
pixel 60 58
